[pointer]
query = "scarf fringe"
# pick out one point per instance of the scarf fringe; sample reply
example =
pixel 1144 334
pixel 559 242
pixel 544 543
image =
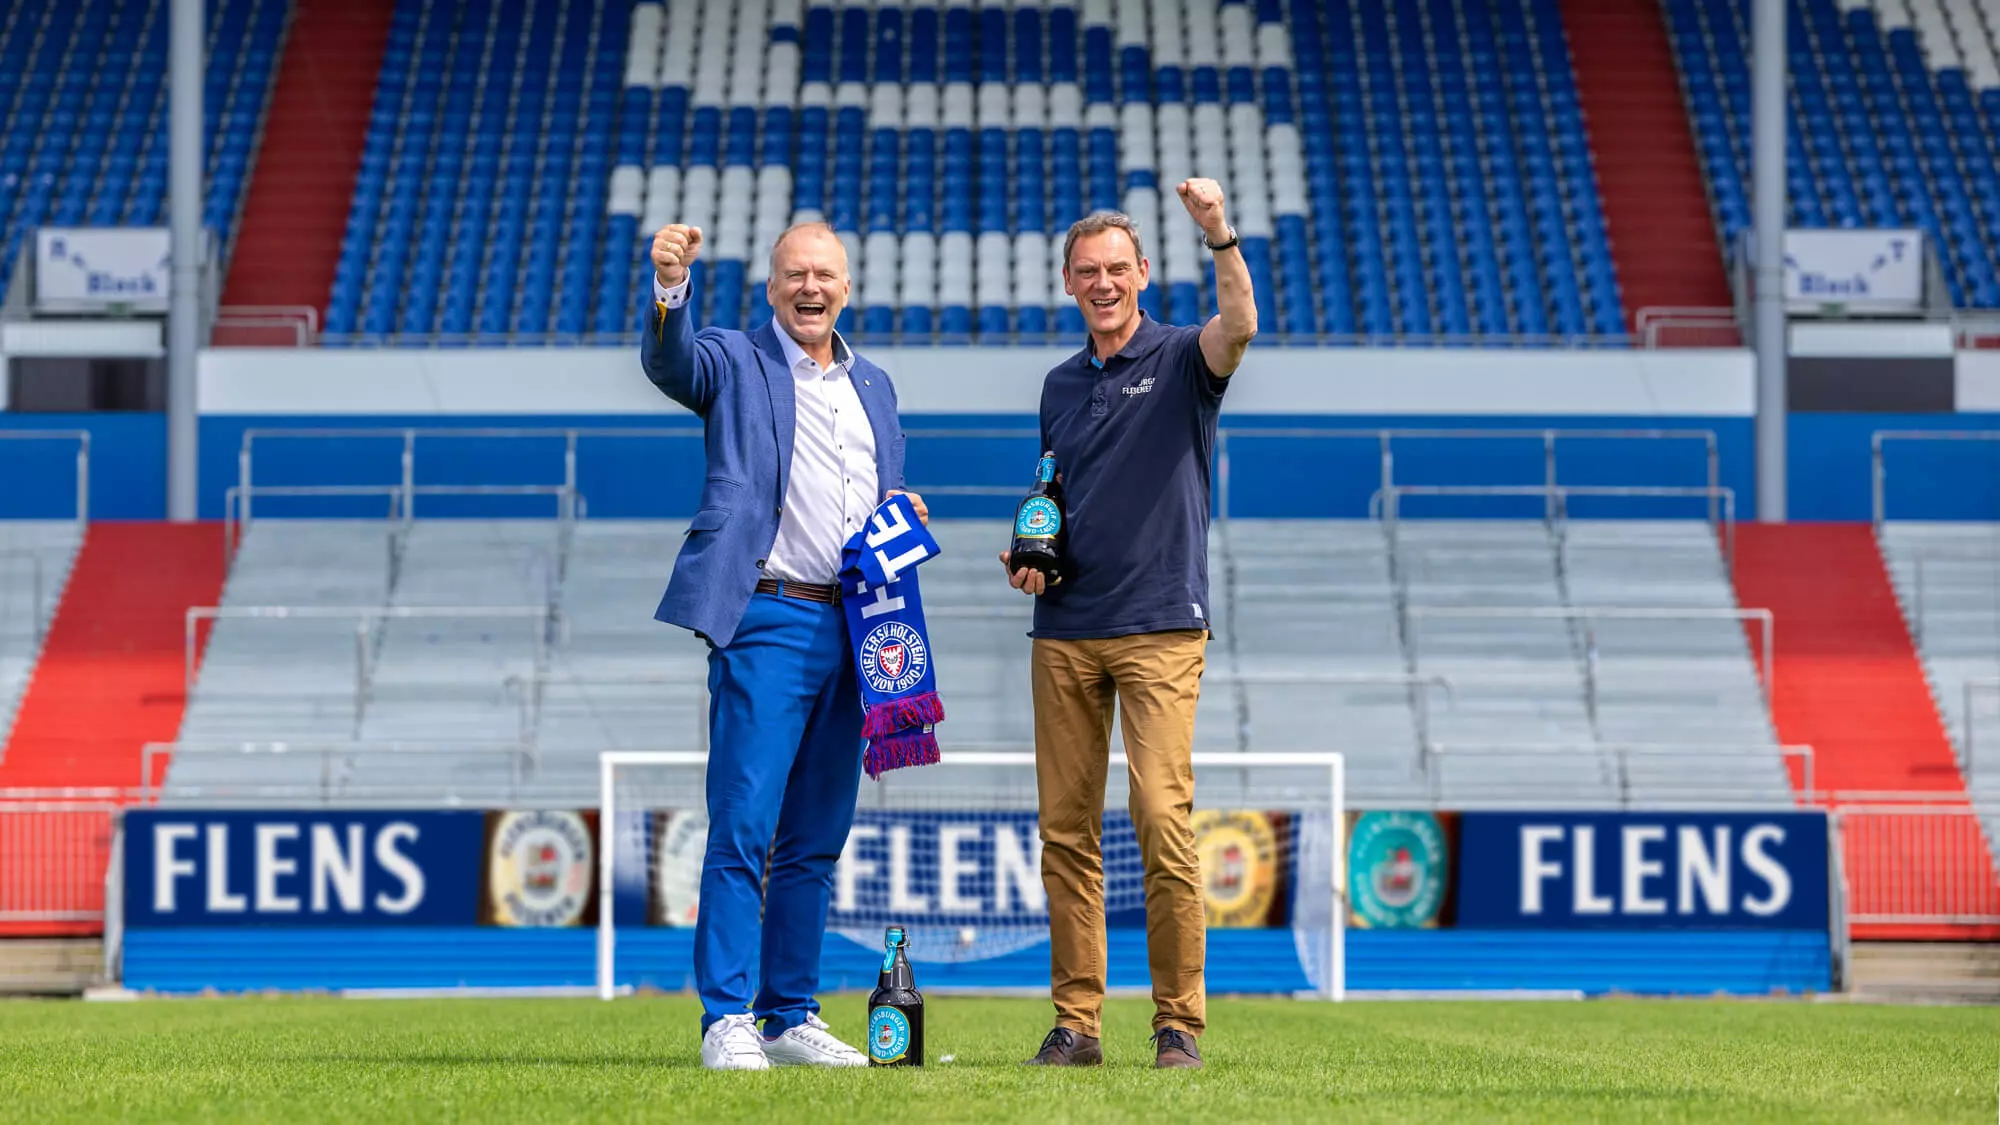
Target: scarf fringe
pixel 892 715
pixel 915 747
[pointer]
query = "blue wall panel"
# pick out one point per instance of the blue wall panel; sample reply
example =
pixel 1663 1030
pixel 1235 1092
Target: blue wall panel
pixel 1681 962
pixel 1273 476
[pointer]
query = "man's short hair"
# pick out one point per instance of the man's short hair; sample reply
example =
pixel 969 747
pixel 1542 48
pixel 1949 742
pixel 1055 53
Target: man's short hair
pixel 800 228
pixel 1097 223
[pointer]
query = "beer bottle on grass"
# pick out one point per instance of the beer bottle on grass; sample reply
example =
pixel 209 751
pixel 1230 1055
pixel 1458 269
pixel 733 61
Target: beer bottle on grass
pixel 896 1008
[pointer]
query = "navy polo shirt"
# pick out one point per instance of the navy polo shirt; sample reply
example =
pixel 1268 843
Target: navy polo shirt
pixel 1132 437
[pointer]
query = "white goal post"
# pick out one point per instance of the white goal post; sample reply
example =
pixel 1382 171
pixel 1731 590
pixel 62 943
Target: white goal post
pixel 1288 810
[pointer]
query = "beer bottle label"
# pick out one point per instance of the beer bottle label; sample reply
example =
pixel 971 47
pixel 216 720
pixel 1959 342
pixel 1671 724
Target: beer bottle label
pixel 1045 471
pixel 1039 518
pixel 888 1035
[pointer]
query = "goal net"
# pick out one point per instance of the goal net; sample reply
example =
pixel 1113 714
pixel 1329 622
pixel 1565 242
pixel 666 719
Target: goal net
pixel 951 853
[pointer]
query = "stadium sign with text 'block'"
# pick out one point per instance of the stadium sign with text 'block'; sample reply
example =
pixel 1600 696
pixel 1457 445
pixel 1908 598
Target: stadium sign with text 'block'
pixel 1687 870
pixel 187 867
pixel 102 270
pixel 1879 271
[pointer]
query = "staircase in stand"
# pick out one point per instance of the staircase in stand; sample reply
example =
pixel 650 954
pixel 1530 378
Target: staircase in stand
pixel 303 186
pixel 1655 204
pixel 111 678
pixel 1847 680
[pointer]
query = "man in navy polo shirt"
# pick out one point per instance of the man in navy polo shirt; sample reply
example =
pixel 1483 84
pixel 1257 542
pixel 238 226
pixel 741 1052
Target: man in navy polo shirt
pixel 1131 419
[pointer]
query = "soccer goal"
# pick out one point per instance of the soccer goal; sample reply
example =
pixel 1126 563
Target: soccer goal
pixel 951 853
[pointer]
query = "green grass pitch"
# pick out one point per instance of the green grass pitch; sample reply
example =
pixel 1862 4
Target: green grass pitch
pixel 305 1059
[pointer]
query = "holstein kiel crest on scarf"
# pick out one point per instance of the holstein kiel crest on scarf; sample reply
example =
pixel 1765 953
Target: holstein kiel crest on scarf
pixel 885 623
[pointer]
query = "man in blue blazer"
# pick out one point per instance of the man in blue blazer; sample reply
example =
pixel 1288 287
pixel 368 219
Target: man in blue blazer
pixel 802 444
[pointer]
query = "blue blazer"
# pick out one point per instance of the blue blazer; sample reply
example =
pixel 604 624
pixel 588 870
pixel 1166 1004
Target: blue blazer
pixel 741 387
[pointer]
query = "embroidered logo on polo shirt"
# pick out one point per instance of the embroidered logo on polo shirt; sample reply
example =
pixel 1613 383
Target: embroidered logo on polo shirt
pixel 1145 385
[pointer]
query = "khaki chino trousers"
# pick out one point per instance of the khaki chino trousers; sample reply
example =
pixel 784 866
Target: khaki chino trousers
pixel 1155 679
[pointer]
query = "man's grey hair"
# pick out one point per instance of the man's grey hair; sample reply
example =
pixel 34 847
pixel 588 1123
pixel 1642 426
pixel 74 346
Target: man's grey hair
pixel 800 228
pixel 1097 223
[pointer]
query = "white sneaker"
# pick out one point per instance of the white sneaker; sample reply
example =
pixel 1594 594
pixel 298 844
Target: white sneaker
pixel 732 1043
pixel 810 1044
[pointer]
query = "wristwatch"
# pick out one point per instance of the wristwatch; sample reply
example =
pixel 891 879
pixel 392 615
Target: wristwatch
pixel 1218 247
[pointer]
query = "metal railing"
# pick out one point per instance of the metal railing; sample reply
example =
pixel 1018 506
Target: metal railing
pixel 1878 464
pixel 338 764
pixel 1921 563
pixel 294 325
pixel 1386 439
pixel 1386 503
pixel 1669 326
pixel 1550 438
pixel 1620 756
pixel 1917 860
pixel 37 623
pixel 570 505
pixel 1766 663
pixel 82 440
pixel 1967 724
pixel 55 847
pixel 531 693
pixel 366 620
pixel 1273 338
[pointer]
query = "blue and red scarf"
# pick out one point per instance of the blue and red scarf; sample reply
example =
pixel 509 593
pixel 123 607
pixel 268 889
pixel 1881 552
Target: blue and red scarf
pixel 885 624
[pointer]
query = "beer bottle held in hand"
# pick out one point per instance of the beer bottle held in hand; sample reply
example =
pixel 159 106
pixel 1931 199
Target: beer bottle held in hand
pixel 896 1008
pixel 1038 524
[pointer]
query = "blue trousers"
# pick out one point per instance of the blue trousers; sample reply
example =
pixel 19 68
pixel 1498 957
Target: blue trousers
pixel 784 768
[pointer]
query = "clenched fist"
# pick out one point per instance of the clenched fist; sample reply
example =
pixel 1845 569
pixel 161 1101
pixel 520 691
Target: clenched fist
pixel 675 248
pixel 1203 200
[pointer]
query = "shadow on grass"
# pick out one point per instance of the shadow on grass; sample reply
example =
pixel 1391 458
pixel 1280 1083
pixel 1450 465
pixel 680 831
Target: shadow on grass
pixel 488 1059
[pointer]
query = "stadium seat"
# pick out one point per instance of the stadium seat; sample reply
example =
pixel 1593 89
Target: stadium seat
pixel 83 126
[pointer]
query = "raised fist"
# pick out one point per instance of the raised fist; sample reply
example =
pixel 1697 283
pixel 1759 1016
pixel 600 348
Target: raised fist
pixel 1203 200
pixel 675 248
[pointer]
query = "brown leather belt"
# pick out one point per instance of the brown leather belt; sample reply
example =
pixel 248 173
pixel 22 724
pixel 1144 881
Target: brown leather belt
pixel 825 593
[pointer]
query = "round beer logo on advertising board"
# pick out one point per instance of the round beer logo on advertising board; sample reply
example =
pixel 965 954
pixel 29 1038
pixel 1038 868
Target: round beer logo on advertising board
pixel 1239 870
pixel 539 870
pixel 1396 870
pixel 1039 519
pixel 888 1035
pixel 677 852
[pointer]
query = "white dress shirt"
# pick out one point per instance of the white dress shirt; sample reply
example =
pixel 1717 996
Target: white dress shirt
pixel 832 490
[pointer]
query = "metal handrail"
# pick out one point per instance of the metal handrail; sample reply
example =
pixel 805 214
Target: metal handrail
pixel 570 504
pixel 1971 684
pixel 1384 503
pixel 1648 322
pixel 365 619
pixel 1767 663
pixel 410 435
pixel 1550 437
pixel 153 782
pixel 35 579
pixel 531 691
pixel 1386 439
pixel 1624 751
pixel 1878 464
pixel 82 440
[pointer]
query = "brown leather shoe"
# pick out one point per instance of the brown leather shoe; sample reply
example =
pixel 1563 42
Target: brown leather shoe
pixel 1063 1047
pixel 1174 1049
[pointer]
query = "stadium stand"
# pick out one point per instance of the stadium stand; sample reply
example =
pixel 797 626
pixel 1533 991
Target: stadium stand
pixel 1947 578
pixel 35 558
pixel 83 113
pixel 1889 117
pixel 1564 711
pixel 1414 171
